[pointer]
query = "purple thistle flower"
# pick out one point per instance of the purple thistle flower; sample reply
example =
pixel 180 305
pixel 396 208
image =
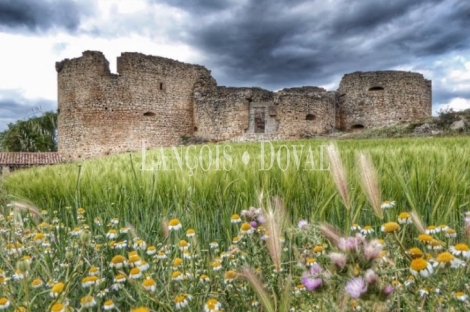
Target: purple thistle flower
pixel 338 259
pixel 356 287
pixel 372 249
pixel 310 279
pixel 315 269
pixel 261 219
pixel 371 277
pixel 360 238
pixel 253 224
pixel 348 244
pixel 311 283
pixel 388 290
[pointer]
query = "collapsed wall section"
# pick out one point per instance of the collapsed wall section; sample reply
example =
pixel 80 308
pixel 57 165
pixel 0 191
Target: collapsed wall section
pixel 305 111
pixel 226 113
pixel 222 113
pixel 382 98
pixel 151 100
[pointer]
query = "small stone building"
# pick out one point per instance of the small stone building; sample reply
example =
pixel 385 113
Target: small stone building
pixel 163 102
pixel 16 160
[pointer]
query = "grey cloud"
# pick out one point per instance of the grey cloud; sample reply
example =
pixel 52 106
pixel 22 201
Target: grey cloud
pixel 201 6
pixel 366 15
pixel 444 96
pixel 276 44
pixel 34 15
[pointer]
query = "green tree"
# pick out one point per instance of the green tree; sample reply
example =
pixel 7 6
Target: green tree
pixel 36 134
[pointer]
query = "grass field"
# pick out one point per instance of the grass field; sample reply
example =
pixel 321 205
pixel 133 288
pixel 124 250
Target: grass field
pixel 204 186
pixel 429 175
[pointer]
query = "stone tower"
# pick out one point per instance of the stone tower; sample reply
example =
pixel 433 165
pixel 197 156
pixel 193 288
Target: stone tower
pixel 382 98
pixel 100 113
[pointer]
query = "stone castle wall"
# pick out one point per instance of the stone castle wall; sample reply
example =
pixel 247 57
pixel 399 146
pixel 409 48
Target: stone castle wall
pixel 382 98
pixel 222 113
pixel 306 110
pixel 162 101
pixel 102 113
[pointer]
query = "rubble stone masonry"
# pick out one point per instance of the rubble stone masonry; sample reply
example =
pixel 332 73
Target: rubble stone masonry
pixel 382 98
pixel 163 101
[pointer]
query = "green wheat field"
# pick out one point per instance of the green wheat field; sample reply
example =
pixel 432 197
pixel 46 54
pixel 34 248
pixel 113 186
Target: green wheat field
pixel 243 227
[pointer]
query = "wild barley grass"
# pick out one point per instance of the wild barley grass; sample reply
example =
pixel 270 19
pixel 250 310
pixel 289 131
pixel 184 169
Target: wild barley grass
pixel 427 175
pixel 338 173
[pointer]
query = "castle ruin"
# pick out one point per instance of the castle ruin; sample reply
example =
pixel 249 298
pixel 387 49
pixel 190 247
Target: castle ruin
pixel 162 101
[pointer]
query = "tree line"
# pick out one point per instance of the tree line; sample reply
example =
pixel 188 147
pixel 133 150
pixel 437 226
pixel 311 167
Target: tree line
pixel 36 134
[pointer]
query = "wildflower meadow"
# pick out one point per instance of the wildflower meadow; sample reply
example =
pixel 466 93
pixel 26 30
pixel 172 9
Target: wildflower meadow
pixel 355 225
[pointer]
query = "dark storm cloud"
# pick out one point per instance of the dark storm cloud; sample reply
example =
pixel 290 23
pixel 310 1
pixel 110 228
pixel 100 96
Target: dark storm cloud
pixel 34 15
pixel 277 44
pixel 200 6
pixel 362 16
pixel 259 43
pixel 14 107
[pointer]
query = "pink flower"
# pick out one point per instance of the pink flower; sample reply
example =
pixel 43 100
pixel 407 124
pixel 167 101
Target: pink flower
pixel 261 219
pixel 372 249
pixel 257 211
pixel 315 269
pixel 356 287
pixel 254 214
pixel 338 259
pixel 467 221
pixel 302 224
pixel 361 239
pixel 247 213
pixel 311 283
pixel 388 290
pixel 371 277
pixel 253 224
pixel 311 279
pixel 348 244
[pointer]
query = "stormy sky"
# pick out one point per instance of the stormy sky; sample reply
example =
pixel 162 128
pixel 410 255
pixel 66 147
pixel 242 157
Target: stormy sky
pixel 270 44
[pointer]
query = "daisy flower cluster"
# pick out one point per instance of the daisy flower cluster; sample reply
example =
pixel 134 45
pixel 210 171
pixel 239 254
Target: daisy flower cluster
pixel 435 257
pixel 101 263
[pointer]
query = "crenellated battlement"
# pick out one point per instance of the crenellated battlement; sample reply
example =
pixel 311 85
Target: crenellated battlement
pixel 91 62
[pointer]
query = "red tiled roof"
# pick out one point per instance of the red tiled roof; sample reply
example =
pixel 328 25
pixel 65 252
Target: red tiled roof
pixel 23 158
